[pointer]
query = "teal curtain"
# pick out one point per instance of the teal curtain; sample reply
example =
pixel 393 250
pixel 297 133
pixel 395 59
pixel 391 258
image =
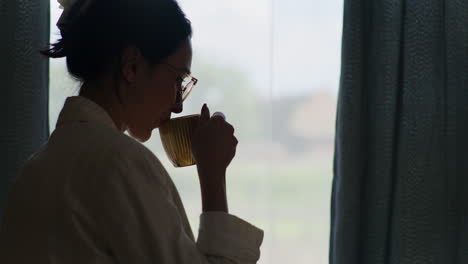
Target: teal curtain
pixel 24 93
pixel 400 189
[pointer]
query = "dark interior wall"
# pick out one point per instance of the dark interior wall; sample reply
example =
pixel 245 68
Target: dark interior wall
pixel 24 80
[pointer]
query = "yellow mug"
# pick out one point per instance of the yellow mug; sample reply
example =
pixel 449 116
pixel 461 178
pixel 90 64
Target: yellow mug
pixel 176 137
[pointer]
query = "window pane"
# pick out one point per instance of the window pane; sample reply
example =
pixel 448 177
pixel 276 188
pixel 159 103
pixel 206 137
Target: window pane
pixel 273 68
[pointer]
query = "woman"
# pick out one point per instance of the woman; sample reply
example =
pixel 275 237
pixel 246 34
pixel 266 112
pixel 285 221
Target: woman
pixel 92 194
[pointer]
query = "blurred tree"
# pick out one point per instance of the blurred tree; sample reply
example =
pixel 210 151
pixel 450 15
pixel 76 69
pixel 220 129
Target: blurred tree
pixel 227 89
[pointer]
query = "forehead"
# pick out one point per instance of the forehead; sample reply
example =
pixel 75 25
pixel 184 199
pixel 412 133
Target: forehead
pixel 182 58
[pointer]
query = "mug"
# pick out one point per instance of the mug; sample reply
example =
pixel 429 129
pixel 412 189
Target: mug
pixel 176 137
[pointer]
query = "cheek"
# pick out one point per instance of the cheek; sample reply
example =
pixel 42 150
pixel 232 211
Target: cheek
pixel 166 95
pixel 172 95
pixel 160 97
pixel 141 109
pixel 158 93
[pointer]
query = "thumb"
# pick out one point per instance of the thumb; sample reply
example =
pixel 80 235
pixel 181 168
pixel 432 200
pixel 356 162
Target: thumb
pixel 205 114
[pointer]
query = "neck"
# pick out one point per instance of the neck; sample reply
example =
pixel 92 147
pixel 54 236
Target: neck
pixel 102 94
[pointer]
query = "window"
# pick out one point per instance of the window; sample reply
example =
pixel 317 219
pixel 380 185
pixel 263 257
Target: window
pixel 273 68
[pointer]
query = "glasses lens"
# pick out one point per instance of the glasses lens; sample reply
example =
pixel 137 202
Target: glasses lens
pixel 187 85
pixel 187 91
pixel 186 81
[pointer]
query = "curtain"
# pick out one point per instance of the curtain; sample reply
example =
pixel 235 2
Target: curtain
pixel 24 29
pixel 400 188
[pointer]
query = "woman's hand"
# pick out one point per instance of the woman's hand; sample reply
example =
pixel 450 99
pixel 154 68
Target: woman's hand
pixel 213 148
pixel 214 144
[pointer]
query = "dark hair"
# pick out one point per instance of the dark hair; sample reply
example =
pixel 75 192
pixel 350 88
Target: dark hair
pixel 94 37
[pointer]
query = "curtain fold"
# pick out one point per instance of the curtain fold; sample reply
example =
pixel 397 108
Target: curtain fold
pixel 24 75
pixel 400 189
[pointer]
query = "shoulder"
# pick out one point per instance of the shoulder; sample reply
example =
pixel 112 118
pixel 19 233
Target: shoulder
pixel 115 153
pixel 125 153
pixel 111 142
pixel 129 154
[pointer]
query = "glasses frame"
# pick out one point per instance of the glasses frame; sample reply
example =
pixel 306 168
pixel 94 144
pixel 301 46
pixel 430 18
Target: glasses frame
pixel 193 81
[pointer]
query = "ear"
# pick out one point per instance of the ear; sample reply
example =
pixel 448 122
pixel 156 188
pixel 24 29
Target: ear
pixel 129 63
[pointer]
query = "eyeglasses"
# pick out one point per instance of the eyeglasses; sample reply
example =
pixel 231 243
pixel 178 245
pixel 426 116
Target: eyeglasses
pixel 185 84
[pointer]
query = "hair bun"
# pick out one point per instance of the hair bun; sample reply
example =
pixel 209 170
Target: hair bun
pixel 95 33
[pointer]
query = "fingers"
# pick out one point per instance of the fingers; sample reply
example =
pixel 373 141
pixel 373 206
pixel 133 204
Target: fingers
pixel 205 114
pixel 234 146
pixel 220 115
pixel 231 129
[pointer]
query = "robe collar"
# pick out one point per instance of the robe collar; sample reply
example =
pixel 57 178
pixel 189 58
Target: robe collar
pixel 81 109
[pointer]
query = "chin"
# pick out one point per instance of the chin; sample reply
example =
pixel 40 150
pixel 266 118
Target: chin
pixel 141 135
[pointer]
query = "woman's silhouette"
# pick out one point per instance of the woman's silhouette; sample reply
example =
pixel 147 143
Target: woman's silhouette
pixel 92 194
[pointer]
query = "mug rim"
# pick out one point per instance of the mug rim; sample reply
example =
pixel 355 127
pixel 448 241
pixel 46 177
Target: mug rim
pixel 184 117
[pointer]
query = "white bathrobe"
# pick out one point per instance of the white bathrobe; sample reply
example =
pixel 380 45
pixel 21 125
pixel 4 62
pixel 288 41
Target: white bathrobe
pixel 94 195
